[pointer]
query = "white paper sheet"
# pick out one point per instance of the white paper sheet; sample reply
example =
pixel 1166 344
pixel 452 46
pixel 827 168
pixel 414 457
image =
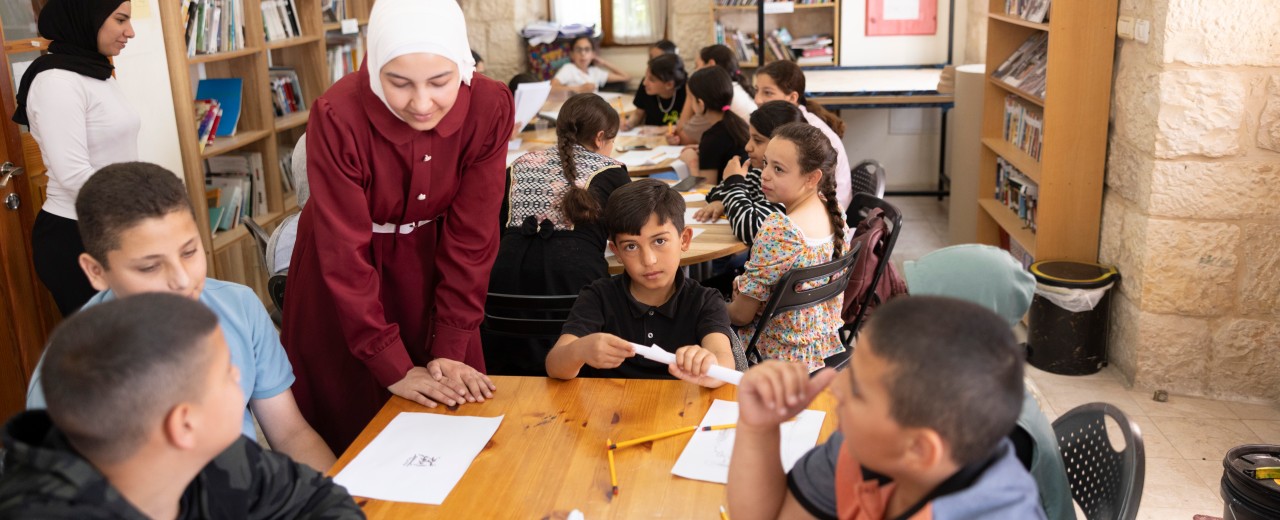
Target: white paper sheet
pixel 669 151
pixel 418 457
pixel 706 456
pixel 608 253
pixel 694 196
pixel 689 220
pixel 901 9
pixel 634 132
pixel 529 97
pixel 639 158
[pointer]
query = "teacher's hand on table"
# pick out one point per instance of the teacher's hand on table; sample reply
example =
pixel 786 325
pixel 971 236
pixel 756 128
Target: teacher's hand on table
pixel 774 391
pixel 420 387
pixel 476 386
pixel 710 213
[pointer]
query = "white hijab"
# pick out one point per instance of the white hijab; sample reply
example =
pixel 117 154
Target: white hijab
pixel 399 27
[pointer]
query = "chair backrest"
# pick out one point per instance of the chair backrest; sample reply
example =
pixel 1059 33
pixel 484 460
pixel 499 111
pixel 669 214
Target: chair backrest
pixel 788 296
pixel 892 218
pixel 1105 483
pixel 525 316
pixel 275 289
pixel 260 238
pixel 868 177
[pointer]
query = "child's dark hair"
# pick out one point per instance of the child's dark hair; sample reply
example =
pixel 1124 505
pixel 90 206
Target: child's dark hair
pixel 666 46
pixel 725 58
pixel 769 116
pixel 790 78
pixel 814 152
pixel 972 394
pixel 581 118
pixel 669 67
pixel 121 195
pixel 630 206
pixel 476 56
pixel 112 371
pixel 594 46
pixel 523 77
pixel 713 87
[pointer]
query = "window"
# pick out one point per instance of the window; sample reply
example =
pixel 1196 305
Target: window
pixel 622 22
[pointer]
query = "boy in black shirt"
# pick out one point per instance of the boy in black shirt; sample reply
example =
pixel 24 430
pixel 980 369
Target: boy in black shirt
pixel 651 303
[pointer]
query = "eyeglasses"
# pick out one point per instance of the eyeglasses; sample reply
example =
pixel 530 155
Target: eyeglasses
pixel 583 50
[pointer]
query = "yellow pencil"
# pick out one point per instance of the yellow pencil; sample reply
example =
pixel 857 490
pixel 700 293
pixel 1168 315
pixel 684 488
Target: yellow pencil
pixel 653 437
pixel 724 515
pixel 718 427
pixel 613 470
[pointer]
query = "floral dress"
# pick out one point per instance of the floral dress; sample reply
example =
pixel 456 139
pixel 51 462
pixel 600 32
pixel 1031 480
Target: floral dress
pixel 808 335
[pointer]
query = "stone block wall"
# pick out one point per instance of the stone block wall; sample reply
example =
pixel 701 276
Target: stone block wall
pixel 1191 211
pixel 493 28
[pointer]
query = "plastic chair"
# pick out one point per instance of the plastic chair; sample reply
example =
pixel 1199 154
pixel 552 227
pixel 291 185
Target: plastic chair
pixel 275 289
pixel 787 295
pixel 861 204
pixel 1104 482
pixel 526 316
pixel 868 177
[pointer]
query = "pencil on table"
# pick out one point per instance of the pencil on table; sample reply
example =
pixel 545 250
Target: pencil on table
pixel 724 515
pixel 653 437
pixel 718 427
pixel 613 470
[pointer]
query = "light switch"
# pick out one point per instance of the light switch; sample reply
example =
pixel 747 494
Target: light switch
pixel 1124 27
pixel 1142 31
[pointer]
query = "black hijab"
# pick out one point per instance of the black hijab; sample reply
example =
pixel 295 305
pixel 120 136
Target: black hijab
pixel 72 28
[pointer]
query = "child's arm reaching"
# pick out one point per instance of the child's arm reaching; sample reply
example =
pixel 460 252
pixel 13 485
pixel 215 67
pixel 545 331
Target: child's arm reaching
pixel 600 350
pixel 694 361
pixel 771 393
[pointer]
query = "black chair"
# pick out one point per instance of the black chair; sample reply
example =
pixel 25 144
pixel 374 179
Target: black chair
pixel 1104 482
pixel 862 203
pixel 525 316
pixel 787 295
pixel 275 289
pixel 260 238
pixel 868 177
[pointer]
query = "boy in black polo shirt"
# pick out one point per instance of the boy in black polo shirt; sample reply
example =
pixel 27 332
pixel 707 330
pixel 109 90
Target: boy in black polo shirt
pixel 651 303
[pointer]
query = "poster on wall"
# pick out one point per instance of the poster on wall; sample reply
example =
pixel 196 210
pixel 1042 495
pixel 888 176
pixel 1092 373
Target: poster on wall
pixel 902 17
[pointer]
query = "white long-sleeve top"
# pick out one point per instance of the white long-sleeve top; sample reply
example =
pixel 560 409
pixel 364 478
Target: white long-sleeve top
pixel 844 183
pixel 81 125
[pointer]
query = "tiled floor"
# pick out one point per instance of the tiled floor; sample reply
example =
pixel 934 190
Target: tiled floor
pixel 1185 438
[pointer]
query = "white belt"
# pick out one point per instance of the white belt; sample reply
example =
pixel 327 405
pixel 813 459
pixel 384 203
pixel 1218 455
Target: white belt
pixel 403 229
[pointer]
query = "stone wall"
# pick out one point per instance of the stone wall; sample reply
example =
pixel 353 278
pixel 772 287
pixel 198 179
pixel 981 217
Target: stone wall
pixel 493 27
pixel 975 32
pixel 1190 213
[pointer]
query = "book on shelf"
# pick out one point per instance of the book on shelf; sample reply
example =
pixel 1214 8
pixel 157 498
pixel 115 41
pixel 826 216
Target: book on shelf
pixel 1023 126
pixel 333 11
pixel 246 166
pixel 1017 192
pixel 344 52
pixel 286 91
pixel 287 182
pixel 208 113
pixel 227 92
pixel 213 26
pixel 1030 10
pixel 1026 69
pixel 230 201
pixel 280 20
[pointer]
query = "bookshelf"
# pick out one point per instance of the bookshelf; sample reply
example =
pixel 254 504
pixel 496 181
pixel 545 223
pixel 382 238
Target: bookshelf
pixel 1072 120
pixel 232 254
pixel 800 18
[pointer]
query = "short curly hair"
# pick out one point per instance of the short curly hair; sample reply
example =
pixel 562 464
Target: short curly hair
pixel 121 195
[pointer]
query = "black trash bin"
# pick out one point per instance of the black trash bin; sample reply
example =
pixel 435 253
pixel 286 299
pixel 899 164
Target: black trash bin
pixel 1244 495
pixel 1073 340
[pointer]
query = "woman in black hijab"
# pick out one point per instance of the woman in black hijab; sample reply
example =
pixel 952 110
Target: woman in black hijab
pixel 78 115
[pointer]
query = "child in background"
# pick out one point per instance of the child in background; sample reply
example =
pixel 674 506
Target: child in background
pixel 784 80
pixel 739 196
pixel 933 389
pixel 585 72
pixel 143 422
pixel 479 61
pixel 663 85
pixel 710 92
pixel 691 126
pixel 662 47
pixel 798 174
pixel 552 240
pixel 140 236
pixel 650 303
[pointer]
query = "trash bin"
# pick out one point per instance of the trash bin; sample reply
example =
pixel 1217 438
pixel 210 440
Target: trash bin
pixel 1069 316
pixel 1249 491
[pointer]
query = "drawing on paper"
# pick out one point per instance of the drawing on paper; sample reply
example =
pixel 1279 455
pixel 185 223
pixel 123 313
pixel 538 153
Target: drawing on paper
pixel 421 461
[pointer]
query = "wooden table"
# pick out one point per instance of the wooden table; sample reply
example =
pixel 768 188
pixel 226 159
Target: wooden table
pixel 533 140
pixel 716 242
pixel 548 456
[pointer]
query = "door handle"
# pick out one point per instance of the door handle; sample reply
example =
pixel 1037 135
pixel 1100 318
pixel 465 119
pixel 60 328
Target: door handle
pixel 8 171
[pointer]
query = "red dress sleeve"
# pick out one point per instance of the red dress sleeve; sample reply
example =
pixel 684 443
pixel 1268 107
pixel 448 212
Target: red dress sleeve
pixel 469 241
pixel 340 207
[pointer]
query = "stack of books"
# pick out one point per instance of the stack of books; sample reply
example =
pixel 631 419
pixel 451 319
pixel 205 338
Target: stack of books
pixel 743 44
pixel 234 189
pixel 818 49
pixel 1017 192
pixel 1030 10
pixel 213 26
pixel 344 54
pixel 778 45
pixel 217 108
pixel 333 11
pixel 208 116
pixel 280 20
pixel 1023 126
pixel 286 91
pixel 1026 68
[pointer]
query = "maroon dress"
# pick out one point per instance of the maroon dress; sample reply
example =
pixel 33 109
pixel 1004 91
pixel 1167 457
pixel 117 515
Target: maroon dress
pixel 363 307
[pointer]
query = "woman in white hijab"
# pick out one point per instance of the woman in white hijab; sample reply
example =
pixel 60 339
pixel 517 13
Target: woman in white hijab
pixel 406 162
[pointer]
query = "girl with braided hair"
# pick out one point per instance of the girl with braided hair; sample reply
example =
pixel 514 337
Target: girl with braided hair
pixel 798 173
pixel 552 238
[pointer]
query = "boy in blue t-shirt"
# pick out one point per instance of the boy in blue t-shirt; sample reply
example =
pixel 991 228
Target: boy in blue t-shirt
pixel 140 236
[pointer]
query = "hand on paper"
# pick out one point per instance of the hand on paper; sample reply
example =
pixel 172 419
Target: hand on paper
pixel 774 391
pixel 690 156
pixel 692 364
pixel 735 167
pixel 420 387
pixel 601 350
pixel 476 386
pixel 710 213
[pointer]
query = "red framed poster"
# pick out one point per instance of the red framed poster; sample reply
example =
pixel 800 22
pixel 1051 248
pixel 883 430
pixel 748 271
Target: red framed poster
pixel 902 17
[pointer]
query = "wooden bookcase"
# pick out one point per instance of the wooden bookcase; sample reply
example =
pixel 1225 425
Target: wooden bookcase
pixel 804 20
pixel 232 253
pixel 1076 107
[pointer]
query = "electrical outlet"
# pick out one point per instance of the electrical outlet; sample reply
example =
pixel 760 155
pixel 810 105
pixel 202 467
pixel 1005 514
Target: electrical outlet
pixel 1142 31
pixel 1124 27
